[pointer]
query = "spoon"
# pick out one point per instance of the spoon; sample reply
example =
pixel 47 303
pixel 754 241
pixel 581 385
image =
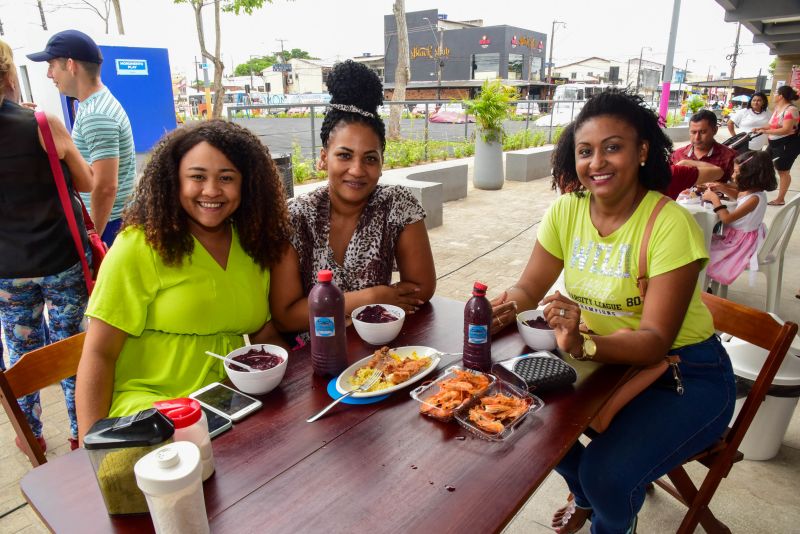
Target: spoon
pixel 231 362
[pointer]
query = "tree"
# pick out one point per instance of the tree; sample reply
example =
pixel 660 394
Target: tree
pixel 771 68
pixel 118 16
pixel 403 70
pixel 229 6
pixel 258 64
pixel 254 64
pixel 102 8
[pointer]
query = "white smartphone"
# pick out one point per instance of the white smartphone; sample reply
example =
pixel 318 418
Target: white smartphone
pixel 217 423
pixel 226 401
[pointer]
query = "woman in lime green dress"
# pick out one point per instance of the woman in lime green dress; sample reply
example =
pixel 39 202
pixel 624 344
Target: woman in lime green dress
pixel 190 272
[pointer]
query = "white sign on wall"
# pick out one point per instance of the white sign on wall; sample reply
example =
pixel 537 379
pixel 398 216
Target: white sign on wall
pixel 132 67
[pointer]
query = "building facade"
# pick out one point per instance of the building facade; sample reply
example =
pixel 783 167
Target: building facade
pixel 452 59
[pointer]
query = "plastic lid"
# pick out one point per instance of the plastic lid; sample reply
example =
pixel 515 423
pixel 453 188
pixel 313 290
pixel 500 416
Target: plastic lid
pixel 143 429
pixel 182 412
pixel 169 469
pixel 479 288
pixel 324 275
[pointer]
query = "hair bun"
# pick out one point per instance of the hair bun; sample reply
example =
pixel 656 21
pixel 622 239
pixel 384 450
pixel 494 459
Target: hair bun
pixel 355 84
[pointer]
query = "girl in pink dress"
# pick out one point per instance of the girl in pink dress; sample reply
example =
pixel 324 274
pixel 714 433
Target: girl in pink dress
pixel 744 229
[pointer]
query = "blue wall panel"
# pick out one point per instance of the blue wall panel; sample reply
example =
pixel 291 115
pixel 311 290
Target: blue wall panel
pixel 142 83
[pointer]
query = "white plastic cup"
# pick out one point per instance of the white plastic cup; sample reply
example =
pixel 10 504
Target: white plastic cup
pixel 170 478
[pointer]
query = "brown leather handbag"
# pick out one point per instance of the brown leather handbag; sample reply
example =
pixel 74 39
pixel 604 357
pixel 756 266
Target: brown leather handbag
pixel 642 377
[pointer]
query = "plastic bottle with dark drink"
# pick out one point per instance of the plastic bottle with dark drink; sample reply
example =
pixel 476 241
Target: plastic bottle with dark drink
pixel 327 326
pixel 477 338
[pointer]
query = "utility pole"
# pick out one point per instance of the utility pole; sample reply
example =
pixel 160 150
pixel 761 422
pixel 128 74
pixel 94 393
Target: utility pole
pixel 639 67
pixel 665 83
pixel 550 61
pixel 283 60
pixel 439 62
pixel 732 58
pixel 196 76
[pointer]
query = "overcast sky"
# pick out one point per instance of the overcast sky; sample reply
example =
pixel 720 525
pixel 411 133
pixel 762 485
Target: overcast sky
pixel 337 29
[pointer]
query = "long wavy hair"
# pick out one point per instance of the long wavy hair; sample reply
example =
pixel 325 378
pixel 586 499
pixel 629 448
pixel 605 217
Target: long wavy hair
pixel 261 220
pixel 655 175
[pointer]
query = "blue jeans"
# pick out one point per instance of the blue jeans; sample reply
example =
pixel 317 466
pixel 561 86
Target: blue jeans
pixel 22 302
pixel 655 432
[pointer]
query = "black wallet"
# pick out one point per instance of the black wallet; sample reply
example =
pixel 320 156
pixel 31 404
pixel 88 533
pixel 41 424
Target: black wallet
pixel 543 373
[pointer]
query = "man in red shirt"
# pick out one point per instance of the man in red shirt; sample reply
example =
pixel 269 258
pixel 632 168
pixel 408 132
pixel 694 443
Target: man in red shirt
pixel 703 147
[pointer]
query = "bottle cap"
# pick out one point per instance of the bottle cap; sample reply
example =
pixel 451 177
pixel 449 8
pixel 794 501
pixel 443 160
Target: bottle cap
pixel 182 412
pixel 169 469
pixel 480 287
pixel 324 276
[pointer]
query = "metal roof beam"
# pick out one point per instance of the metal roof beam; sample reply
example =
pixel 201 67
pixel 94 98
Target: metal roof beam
pixel 771 39
pixel 761 10
pixel 780 28
pixel 785 49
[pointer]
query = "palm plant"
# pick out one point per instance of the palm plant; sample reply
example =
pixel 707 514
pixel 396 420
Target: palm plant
pixel 490 107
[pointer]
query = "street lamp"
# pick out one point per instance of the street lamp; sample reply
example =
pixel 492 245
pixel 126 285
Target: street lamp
pixel 639 67
pixel 550 61
pixel 438 40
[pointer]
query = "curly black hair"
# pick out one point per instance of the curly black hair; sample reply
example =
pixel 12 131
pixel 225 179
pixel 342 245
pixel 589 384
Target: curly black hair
pixel 261 220
pixel 354 84
pixel 756 171
pixel 655 175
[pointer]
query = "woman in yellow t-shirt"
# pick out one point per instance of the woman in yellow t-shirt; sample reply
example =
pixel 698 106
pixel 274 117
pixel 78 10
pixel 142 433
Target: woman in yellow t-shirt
pixel 189 272
pixel 615 159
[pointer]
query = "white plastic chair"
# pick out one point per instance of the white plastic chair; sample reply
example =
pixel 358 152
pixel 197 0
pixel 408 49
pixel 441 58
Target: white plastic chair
pixel 770 255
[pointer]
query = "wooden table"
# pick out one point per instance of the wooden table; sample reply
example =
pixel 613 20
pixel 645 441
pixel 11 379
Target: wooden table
pixel 379 468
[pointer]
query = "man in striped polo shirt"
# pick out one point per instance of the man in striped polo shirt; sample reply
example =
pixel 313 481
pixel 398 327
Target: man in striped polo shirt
pixel 102 131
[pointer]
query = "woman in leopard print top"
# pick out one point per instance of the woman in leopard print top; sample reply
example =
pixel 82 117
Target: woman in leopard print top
pixel 354 227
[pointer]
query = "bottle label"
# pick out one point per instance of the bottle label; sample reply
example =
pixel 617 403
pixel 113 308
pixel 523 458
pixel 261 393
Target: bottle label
pixel 324 327
pixel 478 334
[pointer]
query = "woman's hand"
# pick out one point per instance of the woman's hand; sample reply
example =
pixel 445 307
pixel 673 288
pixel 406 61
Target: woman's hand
pixel 504 312
pixel 710 195
pixel 564 316
pixel 402 294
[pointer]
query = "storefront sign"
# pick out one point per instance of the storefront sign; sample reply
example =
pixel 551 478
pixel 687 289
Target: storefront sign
pixel 529 42
pixel 485 42
pixel 427 52
pixel 131 67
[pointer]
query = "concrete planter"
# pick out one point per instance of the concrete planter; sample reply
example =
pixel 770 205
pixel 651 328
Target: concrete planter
pixel 488 169
pixel 678 134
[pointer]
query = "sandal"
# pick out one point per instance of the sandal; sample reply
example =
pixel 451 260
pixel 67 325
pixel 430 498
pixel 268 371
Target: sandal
pixel 775 203
pixel 570 518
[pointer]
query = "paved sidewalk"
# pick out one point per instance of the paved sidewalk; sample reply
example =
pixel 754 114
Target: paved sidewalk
pixel 488 236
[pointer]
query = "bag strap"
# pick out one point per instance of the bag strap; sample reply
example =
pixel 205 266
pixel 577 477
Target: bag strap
pixel 63 195
pixel 641 282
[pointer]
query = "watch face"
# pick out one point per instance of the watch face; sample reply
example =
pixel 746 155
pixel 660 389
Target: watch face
pixel 589 346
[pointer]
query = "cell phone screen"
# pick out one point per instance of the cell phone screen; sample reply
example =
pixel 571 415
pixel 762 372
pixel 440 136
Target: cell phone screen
pixel 224 399
pixel 216 422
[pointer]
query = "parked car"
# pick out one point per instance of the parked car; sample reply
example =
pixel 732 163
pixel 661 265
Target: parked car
pixel 453 113
pixel 526 107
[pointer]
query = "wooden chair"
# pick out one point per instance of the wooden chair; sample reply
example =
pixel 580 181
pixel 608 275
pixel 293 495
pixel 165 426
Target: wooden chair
pixel 758 328
pixel 32 372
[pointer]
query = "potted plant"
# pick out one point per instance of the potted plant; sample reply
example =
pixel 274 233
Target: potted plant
pixel 489 108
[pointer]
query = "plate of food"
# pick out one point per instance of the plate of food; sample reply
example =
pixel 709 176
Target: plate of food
pixel 402 366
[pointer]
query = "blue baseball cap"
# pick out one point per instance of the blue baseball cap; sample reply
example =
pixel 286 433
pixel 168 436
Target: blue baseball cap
pixel 70 44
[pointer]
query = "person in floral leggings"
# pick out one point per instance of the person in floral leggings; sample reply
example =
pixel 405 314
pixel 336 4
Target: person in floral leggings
pixel 38 262
pixel 22 302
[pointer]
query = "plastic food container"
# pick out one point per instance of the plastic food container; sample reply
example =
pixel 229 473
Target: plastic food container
pixel 190 425
pixel 462 414
pixel 423 393
pixel 114 446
